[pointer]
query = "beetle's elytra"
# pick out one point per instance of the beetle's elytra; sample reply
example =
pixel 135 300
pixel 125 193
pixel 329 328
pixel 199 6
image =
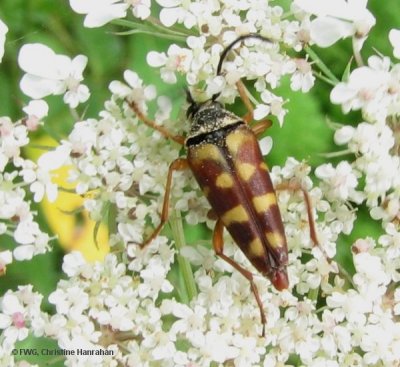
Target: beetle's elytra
pixel 225 158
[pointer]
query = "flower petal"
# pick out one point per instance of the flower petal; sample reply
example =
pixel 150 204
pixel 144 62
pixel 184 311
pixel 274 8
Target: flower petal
pixel 325 31
pixel 394 38
pixel 3 31
pixel 37 87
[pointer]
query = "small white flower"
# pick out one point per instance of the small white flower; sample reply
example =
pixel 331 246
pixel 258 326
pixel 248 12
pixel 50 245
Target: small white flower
pixel 55 158
pixel 73 263
pixel 303 78
pixel 162 347
pixel 391 241
pixel 5 259
pixel 83 137
pixel 36 110
pixel 214 347
pixel 265 145
pixel 374 89
pixel 340 181
pixel 274 104
pixel 176 11
pixel 370 274
pixel 339 19
pixel 164 105
pixel 12 138
pixel 26 232
pixel 13 318
pixel 140 8
pixel 199 255
pixel 380 341
pixel 177 59
pixel 189 319
pixel 135 90
pixel 261 111
pixel 394 37
pixel 48 73
pixel 343 135
pixel 71 301
pixel 250 352
pixel 100 12
pixel 3 32
pixel 350 305
pixel 154 280
pixel 360 89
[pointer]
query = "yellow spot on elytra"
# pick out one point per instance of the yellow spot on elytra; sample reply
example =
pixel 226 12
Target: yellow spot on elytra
pixel 235 140
pixel 236 214
pixel 275 239
pixel 263 202
pixel 256 248
pixel 246 170
pixel 264 166
pixel 224 181
pixel 207 152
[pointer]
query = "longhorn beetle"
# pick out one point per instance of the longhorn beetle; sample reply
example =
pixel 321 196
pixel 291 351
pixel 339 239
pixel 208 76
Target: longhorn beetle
pixel 225 158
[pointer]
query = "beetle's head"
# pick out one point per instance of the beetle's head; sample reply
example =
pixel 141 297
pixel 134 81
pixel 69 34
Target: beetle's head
pixel 196 107
pixel 210 116
pixel 207 117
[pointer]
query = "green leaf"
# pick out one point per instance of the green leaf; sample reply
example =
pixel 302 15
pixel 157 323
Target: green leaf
pixel 305 133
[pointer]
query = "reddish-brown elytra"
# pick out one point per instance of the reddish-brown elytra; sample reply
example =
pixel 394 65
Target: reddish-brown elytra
pixel 225 158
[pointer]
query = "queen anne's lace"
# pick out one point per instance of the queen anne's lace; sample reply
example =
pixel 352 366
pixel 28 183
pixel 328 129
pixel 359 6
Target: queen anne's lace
pixel 128 304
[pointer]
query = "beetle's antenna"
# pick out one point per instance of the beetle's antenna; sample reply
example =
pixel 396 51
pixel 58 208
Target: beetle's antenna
pixel 193 106
pixel 189 97
pixel 229 48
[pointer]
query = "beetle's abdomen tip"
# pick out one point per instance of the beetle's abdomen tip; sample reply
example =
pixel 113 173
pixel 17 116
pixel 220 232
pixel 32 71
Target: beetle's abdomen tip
pixel 280 279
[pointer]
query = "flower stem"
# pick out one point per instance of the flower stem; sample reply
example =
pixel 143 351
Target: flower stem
pixel 323 78
pixel 321 65
pixel 346 275
pixel 357 55
pixel 137 27
pixel 313 294
pixel 339 153
pixel 184 266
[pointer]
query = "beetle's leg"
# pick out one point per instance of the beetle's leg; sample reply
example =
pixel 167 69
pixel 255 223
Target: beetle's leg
pixel 177 138
pixel 259 127
pixel 296 186
pixel 218 244
pixel 179 164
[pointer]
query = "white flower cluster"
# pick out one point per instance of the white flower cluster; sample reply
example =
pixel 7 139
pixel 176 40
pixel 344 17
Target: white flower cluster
pixel 374 146
pixel 20 315
pixel 133 305
pixel 375 90
pixel 100 12
pixel 23 180
pixel 48 73
pixel 107 298
pixel 18 177
pixel 111 156
pixel 221 23
pixel 326 23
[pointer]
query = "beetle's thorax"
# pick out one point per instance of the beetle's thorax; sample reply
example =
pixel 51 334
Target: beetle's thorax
pixel 208 117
